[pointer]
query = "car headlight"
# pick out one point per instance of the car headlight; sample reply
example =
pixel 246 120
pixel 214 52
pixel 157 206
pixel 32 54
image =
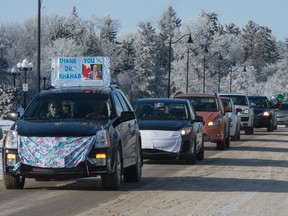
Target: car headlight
pixel 102 139
pixel 214 123
pixel 11 140
pixel 266 113
pixel 245 111
pixel 185 131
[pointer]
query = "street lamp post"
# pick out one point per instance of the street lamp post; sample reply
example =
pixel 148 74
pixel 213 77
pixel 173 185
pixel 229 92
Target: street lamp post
pixel 38 45
pixel 169 60
pixel 14 72
pixel 205 60
pixel 219 73
pixel 187 67
pixel 44 82
pixel 25 66
pixel 231 73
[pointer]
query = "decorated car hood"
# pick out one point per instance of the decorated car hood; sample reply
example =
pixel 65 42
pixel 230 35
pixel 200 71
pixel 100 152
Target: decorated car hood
pixel 58 128
pixel 169 125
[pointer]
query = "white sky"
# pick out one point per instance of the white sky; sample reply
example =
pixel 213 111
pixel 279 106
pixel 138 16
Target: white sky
pixel 272 14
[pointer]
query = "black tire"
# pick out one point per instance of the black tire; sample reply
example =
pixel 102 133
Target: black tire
pixel 191 158
pixel 112 181
pixel 14 182
pixel 134 173
pixel 249 130
pixel 228 140
pixel 200 154
pixel 221 145
pixel 270 128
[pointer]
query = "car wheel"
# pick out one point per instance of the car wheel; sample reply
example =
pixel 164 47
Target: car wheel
pixel 134 173
pixel 228 140
pixel 249 130
pixel 238 135
pixel 270 128
pixel 191 158
pixel 221 145
pixel 200 154
pixel 14 182
pixel 111 181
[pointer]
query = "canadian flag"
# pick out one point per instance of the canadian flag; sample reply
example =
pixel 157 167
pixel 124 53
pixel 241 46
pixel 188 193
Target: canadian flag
pixel 86 68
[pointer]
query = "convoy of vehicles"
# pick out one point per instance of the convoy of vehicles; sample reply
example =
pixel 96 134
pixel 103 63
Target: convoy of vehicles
pixel 86 128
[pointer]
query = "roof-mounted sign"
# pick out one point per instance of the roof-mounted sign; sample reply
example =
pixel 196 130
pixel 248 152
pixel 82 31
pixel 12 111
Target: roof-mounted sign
pixel 80 71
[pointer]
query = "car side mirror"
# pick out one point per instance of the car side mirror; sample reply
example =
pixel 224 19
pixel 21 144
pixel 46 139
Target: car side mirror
pixel 12 115
pixel 238 110
pixel 125 116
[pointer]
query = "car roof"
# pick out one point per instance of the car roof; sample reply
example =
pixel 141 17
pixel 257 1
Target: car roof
pixel 82 89
pixel 195 95
pixel 257 96
pixel 174 100
pixel 231 93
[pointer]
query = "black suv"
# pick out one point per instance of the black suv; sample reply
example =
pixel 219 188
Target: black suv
pixel 264 112
pixel 74 132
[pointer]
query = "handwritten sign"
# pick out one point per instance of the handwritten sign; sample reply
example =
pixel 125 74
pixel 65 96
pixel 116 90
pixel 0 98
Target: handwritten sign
pixel 80 71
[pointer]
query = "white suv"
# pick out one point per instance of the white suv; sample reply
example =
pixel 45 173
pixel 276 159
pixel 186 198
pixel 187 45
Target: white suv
pixel 246 113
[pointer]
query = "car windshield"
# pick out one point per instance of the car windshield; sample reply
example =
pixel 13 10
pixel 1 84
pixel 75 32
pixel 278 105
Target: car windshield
pixel 160 110
pixel 238 99
pixel 204 104
pixel 69 106
pixel 259 102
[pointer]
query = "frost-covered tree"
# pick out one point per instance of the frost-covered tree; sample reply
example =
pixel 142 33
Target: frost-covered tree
pixel 145 70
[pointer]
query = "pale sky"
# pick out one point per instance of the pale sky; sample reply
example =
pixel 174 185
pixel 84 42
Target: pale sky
pixel 272 14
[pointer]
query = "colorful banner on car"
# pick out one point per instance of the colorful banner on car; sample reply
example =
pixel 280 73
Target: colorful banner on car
pixel 80 71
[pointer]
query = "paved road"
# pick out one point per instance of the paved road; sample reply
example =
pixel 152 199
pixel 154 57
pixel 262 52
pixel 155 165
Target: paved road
pixel 239 181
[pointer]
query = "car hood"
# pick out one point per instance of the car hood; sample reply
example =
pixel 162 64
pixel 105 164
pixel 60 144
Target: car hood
pixel 209 116
pixel 171 125
pixel 260 110
pixel 58 129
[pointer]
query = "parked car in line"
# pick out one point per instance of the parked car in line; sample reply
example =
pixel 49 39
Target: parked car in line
pixel 217 121
pixel 264 112
pixel 282 114
pixel 170 129
pixel 235 123
pixel 45 143
pixel 246 112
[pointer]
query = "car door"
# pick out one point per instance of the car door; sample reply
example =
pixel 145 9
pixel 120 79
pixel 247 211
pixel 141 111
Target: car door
pixel 129 129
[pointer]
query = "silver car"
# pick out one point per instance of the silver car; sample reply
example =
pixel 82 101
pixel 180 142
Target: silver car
pixel 282 114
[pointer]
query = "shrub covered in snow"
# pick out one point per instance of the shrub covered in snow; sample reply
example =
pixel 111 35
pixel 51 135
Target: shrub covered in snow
pixel 8 98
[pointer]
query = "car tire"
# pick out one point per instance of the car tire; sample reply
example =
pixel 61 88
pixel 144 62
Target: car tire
pixel 14 182
pixel 249 130
pixel 134 173
pixel 270 128
pixel 221 145
pixel 112 181
pixel 191 158
pixel 200 154
pixel 228 140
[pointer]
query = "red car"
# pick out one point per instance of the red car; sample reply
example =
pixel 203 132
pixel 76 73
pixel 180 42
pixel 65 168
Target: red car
pixel 217 121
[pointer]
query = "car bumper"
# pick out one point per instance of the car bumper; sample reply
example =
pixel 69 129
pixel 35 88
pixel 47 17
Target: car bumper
pixel 90 167
pixel 245 121
pixel 213 134
pixel 164 144
pixel 261 122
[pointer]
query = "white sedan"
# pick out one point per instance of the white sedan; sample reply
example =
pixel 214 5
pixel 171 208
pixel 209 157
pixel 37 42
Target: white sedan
pixel 235 122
